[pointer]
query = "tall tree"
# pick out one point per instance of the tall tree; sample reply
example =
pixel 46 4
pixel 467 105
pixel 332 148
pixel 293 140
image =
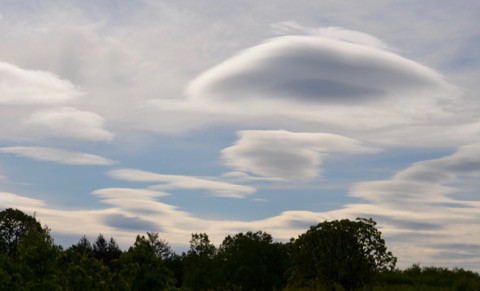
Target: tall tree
pixel 37 261
pixel 14 224
pixel 143 268
pixel 199 267
pixel 251 261
pixel 105 251
pixel 81 270
pixel 342 252
pixel 160 246
pixel 100 247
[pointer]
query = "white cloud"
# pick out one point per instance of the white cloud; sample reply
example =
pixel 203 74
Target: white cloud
pixel 32 101
pixel 69 123
pixel 133 200
pixel 57 155
pixel 325 80
pixel 292 27
pixel 17 201
pixel 170 182
pixel 286 155
pixel 29 87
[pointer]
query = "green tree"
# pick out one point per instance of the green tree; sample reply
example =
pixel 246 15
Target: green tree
pixel 251 261
pixel 14 224
pixel 107 252
pixel 143 267
pixel 199 266
pixel 37 261
pixel 80 269
pixel 342 252
pixel 160 247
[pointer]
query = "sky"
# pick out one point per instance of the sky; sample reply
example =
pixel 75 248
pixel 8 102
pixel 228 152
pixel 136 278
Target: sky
pixel 179 117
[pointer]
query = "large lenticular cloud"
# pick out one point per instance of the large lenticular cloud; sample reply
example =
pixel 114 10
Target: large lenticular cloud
pixel 325 79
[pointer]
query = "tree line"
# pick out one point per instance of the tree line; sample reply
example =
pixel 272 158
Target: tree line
pixel 332 255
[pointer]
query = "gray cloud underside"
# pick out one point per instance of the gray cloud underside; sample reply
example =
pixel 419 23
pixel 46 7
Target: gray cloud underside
pixel 121 221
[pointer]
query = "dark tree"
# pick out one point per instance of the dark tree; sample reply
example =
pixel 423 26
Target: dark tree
pixel 14 224
pixel 83 246
pixel 251 261
pixel 105 251
pixel 100 247
pixel 37 261
pixel 113 252
pixel 160 246
pixel 175 263
pixel 199 267
pixel 80 269
pixel 342 252
pixel 143 267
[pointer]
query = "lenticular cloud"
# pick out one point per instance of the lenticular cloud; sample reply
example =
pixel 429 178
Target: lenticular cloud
pixel 324 79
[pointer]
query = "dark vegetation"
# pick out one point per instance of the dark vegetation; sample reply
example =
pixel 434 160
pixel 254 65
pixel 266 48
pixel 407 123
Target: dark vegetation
pixel 333 255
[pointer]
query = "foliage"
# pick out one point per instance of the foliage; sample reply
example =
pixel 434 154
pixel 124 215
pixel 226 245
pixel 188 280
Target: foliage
pixel 199 266
pixel 429 278
pixel 105 251
pixel 143 268
pixel 14 224
pixel 345 252
pixel 250 261
pixel 336 255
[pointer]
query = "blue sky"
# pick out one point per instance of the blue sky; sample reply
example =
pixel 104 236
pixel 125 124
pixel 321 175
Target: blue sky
pixel 120 117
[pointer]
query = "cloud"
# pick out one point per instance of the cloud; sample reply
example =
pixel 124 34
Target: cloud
pixel 121 221
pixel 70 123
pixel 118 193
pixel 325 80
pixel 171 182
pixel 34 107
pixel 29 87
pixel 292 27
pixel 426 198
pixel 57 155
pixel 244 177
pixel 18 201
pixel 286 155
pixel 429 181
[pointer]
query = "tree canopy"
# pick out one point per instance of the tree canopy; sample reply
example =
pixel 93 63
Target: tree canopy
pixel 341 254
pixel 345 252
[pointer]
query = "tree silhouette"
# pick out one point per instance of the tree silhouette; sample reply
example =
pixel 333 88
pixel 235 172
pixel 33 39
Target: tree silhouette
pixel 345 252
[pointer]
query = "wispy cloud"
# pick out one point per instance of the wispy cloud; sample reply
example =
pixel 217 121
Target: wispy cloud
pixel 17 201
pixel 57 155
pixel 171 182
